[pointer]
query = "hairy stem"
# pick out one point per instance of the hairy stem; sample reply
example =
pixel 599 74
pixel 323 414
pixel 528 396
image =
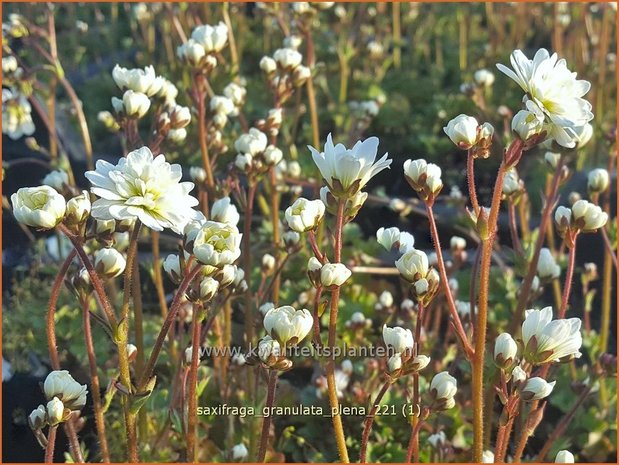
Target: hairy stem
pixel 266 420
pixel 369 421
pixel 51 443
pixel 192 407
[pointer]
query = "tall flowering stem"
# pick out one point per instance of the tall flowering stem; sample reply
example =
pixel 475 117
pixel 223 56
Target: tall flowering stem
pixel 200 96
pixel 470 177
pixel 571 262
pixel 445 284
pixel 192 407
pixel 369 421
pixel 51 442
pixel 511 158
pixel 525 288
pixel 266 421
pixel 94 380
pixel 335 297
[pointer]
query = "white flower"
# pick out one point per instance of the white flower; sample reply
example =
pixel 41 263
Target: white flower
pixel 40 207
pixel 224 211
pixel 239 452
pixel 547 340
pixel 291 238
pixel 177 135
pixel 287 58
pixel 268 64
pixel 375 49
pixel 564 456
pixel 143 81
pixel 272 155
pixel 226 275
pixel 487 457
pixel 109 262
pixel 587 216
pixel 56 179
pixel 553 91
pixel 208 288
pixel 252 142
pixel 216 244
pixel 537 388
pixel 55 411
pixel 78 209
pixel 526 124
pixel 142 187
pixel 334 274
pixel 399 338
pixel 9 64
pixel 462 130
pixel 287 325
pixel 192 52
pixel 221 105
pixel 505 350
pixel 598 180
pixel 212 38
pixel 60 383
pixel 407 241
pixel 346 171
pixel 243 161
pixel 16 115
pixel 304 215
pixel 423 176
pixel 388 237
pixel 413 265
pixel 483 77
pixel 443 388
pixel 135 104
pixel 274 118
pixel 457 243
pixel 394 363
pixel 547 268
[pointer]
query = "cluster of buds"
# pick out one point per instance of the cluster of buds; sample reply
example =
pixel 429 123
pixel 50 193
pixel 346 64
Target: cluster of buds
pixel 352 206
pixel 583 216
pixel 404 361
pixel 201 50
pixel 393 238
pixel 358 321
pixel 468 134
pixel 255 157
pixel 16 114
pixel 173 121
pixel 272 123
pixel 424 178
pixel 285 72
pixel 64 396
pixel 415 269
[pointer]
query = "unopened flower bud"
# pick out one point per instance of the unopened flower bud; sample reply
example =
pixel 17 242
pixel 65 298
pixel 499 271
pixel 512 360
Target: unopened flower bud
pixel 505 351
pixel 334 275
pixel 536 388
pixel 109 262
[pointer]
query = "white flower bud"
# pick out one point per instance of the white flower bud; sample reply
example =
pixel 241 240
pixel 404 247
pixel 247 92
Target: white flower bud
pixel 552 159
pixel 413 265
pixel 443 388
pixel 268 347
pixel 438 440
pixel 287 325
pixel 243 161
pixel 212 38
pixel 483 78
pixel 272 155
pixel 583 135
pixel 198 174
pixel 537 388
pixel 386 299
pixel 268 263
pixel 224 211
pixel 564 456
pixel 57 179
pixel 304 215
pixel 399 338
pixel 132 351
pixel 518 375
pixel 109 262
pixel 192 52
pixel 135 104
pixel 37 418
pixel 252 142
pixel 239 452
pixel 462 130
pixel 394 363
pixel 598 180
pixel 189 355
pixel 40 207
pixel 334 274
pixel 487 457
pixel 300 75
pixel 221 105
pixel 422 175
pixel 291 238
pixel 388 237
pixel 78 209
pixel 547 268
pixel 55 411
pixel 347 367
pixel 268 64
pixel 236 93
pixel 172 267
pixel 177 135
pixel 287 58
pixel 511 182
pixel 526 124
pixel 505 350
pixel 208 288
